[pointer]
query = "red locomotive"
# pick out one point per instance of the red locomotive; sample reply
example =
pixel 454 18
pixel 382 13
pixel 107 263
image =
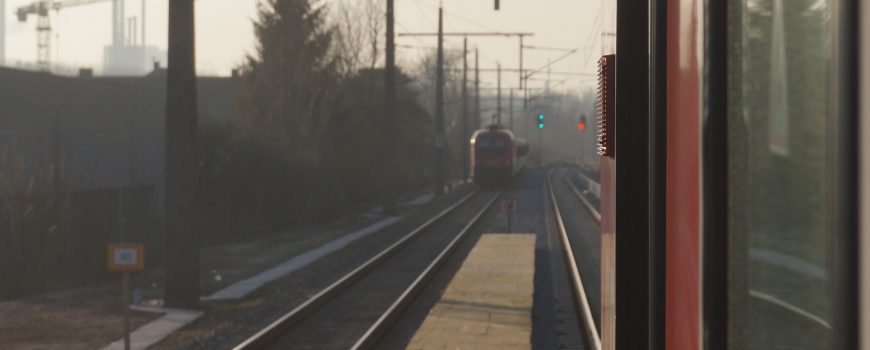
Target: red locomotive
pixel 496 156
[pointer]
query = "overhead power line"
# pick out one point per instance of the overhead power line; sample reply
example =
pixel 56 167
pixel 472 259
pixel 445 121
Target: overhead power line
pixel 533 47
pixel 548 65
pixel 504 34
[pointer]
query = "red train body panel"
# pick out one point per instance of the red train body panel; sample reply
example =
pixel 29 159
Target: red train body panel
pixel 682 295
pixel 496 156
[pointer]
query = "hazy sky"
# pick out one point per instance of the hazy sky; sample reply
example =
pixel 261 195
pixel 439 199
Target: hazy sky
pixel 224 32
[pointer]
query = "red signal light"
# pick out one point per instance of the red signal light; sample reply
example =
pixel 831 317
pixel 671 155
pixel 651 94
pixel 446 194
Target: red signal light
pixel 581 126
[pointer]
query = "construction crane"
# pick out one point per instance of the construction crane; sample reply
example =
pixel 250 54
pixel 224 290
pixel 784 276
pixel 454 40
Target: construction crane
pixel 41 9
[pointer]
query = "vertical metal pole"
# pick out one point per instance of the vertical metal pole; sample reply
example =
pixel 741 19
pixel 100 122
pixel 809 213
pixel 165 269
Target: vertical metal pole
pixel 511 111
pixel 522 78
pixel 523 81
pixel 2 32
pixel 525 99
pixel 126 305
pixel 390 137
pixel 540 147
pixel 465 140
pixel 498 99
pixel 182 243
pixel 478 112
pixel 439 109
pixel 526 113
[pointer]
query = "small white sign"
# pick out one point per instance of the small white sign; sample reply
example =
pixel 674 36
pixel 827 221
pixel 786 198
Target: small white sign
pixel 125 256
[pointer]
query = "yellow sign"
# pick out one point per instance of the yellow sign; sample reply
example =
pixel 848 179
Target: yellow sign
pixel 126 257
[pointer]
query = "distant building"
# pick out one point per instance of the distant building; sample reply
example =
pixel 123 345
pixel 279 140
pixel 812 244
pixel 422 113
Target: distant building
pixel 85 133
pixel 130 59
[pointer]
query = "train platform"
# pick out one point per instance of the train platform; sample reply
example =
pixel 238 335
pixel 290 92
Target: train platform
pixel 488 303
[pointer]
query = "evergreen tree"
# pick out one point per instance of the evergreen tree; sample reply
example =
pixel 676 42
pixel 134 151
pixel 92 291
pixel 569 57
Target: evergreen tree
pixel 290 80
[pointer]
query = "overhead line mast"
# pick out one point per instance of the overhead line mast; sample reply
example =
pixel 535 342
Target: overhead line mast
pixel 439 110
pixel 477 87
pixel 388 184
pixel 465 137
pixel 182 242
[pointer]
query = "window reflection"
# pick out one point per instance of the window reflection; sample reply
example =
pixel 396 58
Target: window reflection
pixel 779 53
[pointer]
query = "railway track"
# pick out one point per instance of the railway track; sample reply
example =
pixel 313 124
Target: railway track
pixel 582 198
pixel 354 311
pixel 581 300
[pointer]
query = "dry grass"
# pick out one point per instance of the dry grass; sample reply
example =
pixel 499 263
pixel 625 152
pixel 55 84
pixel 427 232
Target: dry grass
pixel 87 319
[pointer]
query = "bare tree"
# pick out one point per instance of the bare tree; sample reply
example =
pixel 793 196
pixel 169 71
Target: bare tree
pixel 359 36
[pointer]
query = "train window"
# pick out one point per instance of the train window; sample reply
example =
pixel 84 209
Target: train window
pixel 491 145
pixel 779 57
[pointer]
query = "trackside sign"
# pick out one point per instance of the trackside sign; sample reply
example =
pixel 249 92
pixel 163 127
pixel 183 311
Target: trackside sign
pixel 126 257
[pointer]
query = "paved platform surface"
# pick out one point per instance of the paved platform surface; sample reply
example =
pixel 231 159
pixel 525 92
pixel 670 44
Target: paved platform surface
pixel 152 333
pixel 488 304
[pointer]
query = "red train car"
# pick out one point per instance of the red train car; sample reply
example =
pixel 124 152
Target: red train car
pixel 734 187
pixel 496 156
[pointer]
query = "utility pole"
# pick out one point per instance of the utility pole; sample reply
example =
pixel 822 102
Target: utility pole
pixel 182 243
pixel 522 80
pixel 465 138
pixel 498 99
pixel 389 179
pixel 511 109
pixel 540 147
pixel 477 88
pixel 439 109
pixel 525 113
pixel 525 100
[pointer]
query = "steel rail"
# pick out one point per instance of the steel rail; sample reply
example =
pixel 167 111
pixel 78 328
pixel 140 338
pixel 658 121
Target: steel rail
pixel 374 333
pixel 595 214
pixel 283 325
pixel 581 299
